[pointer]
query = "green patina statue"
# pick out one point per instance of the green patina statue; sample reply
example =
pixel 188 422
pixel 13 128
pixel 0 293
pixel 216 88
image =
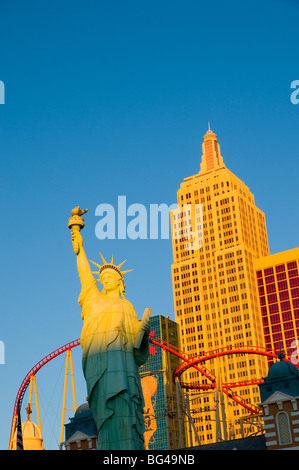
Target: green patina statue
pixel 115 344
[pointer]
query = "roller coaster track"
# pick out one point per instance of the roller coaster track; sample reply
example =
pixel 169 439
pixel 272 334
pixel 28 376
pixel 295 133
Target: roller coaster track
pixel 24 385
pixel 197 362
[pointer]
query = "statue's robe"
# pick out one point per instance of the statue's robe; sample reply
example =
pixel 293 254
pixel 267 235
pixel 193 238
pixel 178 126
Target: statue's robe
pixel 111 368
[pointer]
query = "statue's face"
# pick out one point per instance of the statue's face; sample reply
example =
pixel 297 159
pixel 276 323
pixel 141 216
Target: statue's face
pixel 109 282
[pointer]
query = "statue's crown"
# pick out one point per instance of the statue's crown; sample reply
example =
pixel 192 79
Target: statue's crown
pixel 110 265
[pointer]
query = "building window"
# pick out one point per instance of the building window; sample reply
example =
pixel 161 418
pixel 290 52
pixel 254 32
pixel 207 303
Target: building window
pixel 283 427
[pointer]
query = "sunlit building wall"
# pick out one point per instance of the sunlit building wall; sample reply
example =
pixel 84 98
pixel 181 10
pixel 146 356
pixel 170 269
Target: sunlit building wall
pixel 278 286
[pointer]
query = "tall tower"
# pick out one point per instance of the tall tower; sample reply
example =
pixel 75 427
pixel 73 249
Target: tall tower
pixel 215 294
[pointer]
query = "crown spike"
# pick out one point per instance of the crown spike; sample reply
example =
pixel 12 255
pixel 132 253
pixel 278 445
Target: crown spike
pixel 112 259
pixel 104 261
pixel 98 265
pixel 124 272
pixel 121 264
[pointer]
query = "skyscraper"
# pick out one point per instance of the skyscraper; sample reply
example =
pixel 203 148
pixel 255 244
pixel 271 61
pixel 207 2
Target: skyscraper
pixel 215 294
pixel 278 285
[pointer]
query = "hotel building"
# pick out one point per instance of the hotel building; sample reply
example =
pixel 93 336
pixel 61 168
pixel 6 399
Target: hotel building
pixel 278 286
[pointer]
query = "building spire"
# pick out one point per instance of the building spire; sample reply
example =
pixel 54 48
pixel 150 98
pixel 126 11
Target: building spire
pixel 29 411
pixel 211 158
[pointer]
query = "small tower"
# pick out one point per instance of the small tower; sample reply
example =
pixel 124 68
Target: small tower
pixel 81 432
pixel 280 405
pixel 32 436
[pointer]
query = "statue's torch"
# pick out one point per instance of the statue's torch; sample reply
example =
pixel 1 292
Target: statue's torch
pixel 76 223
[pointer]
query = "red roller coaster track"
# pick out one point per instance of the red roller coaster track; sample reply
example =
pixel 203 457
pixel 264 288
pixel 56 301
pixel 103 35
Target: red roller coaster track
pixel 33 371
pixel 188 361
pixel 197 362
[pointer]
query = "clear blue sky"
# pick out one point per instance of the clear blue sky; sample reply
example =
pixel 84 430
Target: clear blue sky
pixel 113 98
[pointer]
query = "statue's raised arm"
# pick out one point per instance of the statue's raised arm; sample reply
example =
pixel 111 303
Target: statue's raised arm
pixel 76 224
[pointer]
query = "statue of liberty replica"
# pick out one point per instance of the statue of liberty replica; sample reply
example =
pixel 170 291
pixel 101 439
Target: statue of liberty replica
pixel 115 344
